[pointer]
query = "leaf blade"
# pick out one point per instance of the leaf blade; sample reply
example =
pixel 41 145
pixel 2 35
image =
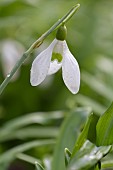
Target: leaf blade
pixel 68 135
pixel 88 156
pixel 104 128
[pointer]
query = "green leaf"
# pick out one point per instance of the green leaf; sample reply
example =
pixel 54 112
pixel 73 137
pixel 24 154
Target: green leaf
pixel 83 136
pixel 104 128
pixel 38 166
pixel 69 132
pixel 88 156
pixel 88 101
pixel 67 156
pixel 12 153
pixel 97 85
pixel 108 163
pixel 27 158
pixel 29 132
pixel 32 118
pixel 92 129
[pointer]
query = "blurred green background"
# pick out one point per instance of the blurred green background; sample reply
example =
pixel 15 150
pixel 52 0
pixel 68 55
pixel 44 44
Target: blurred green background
pixel 90 39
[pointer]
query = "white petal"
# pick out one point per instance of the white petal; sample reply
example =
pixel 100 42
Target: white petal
pixel 70 70
pixel 58 48
pixel 54 67
pixel 41 65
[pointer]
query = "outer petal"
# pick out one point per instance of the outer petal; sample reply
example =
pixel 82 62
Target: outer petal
pixel 70 70
pixel 41 65
pixel 54 67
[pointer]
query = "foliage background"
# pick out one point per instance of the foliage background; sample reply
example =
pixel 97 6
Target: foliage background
pixel 90 39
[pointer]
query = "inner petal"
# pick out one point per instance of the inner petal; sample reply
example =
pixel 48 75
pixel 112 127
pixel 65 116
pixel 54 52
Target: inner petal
pixel 54 67
pixel 56 56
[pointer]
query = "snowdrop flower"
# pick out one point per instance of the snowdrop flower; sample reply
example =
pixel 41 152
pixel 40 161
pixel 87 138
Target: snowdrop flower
pixel 11 51
pixel 57 56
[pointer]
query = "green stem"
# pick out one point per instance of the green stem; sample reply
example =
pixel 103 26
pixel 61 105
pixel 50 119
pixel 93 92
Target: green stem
pixel 36 44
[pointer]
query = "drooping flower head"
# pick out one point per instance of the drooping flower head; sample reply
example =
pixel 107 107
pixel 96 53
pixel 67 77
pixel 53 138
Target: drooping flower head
pixel 57 56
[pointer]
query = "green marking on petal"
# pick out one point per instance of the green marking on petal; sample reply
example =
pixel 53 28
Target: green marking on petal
pixel 56 56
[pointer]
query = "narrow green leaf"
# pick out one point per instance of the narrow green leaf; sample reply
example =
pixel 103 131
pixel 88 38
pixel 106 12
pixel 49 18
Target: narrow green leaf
pixel 92 129
pixel 38 166
pixel 32 118
pixel 69 132
pixel 83 136
pixel 97 85
pixel 29 132
pixel 107 164
pixel 11 154
pixel 27 158
pixel 88 156
pixel 104 128
pixel 67 156
pixel 87 101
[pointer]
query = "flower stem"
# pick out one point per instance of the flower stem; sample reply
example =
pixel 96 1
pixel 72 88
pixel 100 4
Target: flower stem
pixel 36 44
